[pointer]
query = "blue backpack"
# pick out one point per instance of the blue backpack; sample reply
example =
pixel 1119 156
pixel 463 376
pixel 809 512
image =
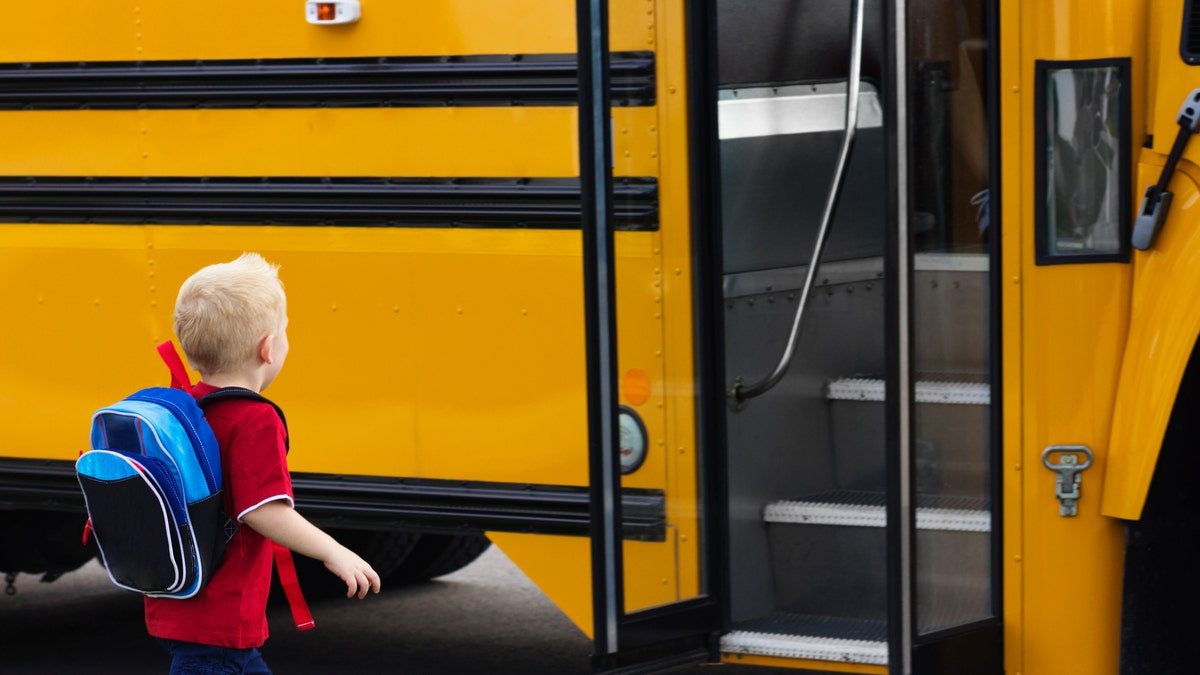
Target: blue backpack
pixel 152 485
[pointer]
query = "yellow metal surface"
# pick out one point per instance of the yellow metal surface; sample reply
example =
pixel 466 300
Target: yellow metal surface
pixel 664 572
pixel 420 352
pixel 672 286
pixel 480 142
pixel 391 353
pixel 560 566
pixel 802 664
pixel 104 30
pixel 1164 326
pixel 1172 78
pixel 1067 331
pixel 1165 317
pixel 1015 135
pixel 397 368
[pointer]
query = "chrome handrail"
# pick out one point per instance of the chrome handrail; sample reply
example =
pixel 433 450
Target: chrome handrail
pixel 739 392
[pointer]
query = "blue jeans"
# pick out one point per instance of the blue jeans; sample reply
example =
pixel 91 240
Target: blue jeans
pixel 188 658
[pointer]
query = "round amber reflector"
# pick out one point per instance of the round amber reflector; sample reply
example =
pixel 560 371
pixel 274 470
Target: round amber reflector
pixel 635 386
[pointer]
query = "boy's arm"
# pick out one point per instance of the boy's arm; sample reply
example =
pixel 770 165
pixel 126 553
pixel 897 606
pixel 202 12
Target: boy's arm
pixel 279 522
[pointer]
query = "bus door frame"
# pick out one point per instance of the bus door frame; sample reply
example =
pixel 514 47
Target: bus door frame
pixel 689 630
pixel 975 647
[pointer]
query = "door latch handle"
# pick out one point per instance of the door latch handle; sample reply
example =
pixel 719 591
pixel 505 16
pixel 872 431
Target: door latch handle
pixel 1068 466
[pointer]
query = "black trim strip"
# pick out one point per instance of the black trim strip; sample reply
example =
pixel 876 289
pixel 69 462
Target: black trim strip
pixel 497 80
pixel 39 484
pixel 600 329
pixel 474 505
pixel 996 309
pixel 548 203
pixel 707 234
pixel 391 503
pixel 895 21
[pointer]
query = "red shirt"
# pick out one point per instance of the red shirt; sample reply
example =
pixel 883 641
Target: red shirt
pixel 231 610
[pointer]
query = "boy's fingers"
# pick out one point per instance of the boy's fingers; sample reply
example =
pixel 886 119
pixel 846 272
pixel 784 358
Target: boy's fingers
pixel 351 585
pixel 374 579
pixel 363 586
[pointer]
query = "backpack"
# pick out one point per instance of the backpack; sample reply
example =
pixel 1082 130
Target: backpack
pixel 152 487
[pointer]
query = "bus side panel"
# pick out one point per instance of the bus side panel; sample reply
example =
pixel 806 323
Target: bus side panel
pixel 515 142
pixel 78 329
pixel 1166 313
pixel 1074 320
pixel 95 30
pixel 1163 332
pixel 449 352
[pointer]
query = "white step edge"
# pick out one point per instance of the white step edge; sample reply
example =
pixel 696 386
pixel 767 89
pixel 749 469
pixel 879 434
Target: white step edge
pixel 950 262
pixel 954 393
pixel 804 647
pixel 859 515
pixel 804 109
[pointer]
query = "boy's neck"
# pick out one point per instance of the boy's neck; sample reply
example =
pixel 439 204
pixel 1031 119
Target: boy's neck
pixel 244 380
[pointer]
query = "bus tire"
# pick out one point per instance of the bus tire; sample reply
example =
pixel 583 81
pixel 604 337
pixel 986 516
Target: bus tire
pixel 385 551
pixel 437 555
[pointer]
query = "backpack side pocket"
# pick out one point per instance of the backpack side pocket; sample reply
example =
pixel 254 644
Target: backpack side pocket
pixel 134 519
pixel 213 530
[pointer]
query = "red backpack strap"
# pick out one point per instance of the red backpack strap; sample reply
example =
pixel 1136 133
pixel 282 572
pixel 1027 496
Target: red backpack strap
pixel 286 567
pixel 179 374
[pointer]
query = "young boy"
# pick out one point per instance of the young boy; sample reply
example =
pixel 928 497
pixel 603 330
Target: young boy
pixel 231 320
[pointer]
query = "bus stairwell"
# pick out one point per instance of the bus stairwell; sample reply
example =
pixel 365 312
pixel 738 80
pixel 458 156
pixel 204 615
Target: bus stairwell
pixel 807 459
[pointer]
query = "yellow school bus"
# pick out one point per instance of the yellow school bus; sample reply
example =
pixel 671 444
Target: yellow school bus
pixel 846 336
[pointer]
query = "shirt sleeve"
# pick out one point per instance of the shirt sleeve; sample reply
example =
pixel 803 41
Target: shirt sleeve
pixel 258 471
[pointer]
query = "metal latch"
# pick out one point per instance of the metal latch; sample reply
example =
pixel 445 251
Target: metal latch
pixel 1068 468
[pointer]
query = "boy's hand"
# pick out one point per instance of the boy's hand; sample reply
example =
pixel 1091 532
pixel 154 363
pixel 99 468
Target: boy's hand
pixel 356 572
pixel 279 522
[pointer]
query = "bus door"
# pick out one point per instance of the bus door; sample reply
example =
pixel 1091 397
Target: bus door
pixel 652 401
pixel 858 318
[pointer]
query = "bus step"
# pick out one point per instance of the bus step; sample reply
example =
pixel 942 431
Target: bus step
pixel 829 551
pixel 818 638
pixel 950 393
pixel 868 509
pixel 951 427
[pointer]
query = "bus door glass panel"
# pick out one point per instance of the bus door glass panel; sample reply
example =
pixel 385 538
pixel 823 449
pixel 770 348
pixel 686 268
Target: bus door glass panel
pixel 951 320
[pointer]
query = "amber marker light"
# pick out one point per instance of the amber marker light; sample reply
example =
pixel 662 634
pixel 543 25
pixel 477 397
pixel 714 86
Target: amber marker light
pixel 635 386
pixel 335 13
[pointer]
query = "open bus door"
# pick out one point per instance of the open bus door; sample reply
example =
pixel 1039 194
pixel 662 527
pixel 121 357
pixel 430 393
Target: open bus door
pixel 845 483
pixel 626 637
pixel 859 323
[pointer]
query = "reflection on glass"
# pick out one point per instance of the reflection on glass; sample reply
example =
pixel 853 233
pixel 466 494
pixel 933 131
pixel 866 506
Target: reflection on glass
pixel 1083 119
pixel 950 316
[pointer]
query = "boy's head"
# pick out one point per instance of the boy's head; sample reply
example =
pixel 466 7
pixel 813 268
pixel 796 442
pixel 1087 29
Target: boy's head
pixel 231 317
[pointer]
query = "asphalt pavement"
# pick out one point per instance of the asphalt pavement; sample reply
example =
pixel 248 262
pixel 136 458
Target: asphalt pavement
pixel 486 618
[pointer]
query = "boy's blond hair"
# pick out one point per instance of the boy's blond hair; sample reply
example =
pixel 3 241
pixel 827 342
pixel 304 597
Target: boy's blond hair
pixel 224 310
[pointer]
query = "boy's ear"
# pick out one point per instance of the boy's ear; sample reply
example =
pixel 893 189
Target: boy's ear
pixel 266 349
